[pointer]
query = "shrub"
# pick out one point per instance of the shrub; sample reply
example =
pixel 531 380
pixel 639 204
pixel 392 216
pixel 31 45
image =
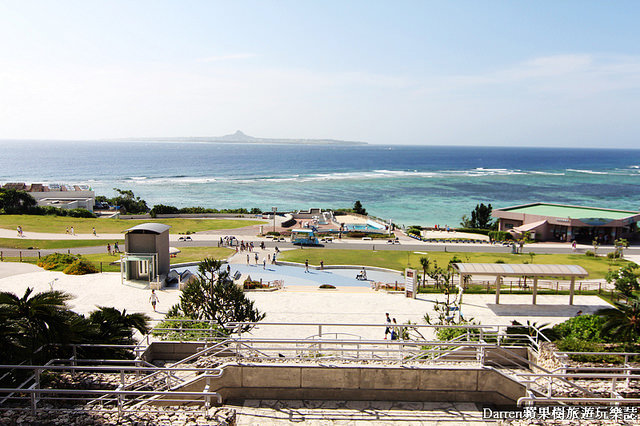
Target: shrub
pixel 356 234
pixel 589 253
pixel 80 213
pixel 327 286
pixel 582 327
pixel 162 209
pixel 447 333
pixel 191 330
pixel 274 233
pixel 80 267
pixel 414 230
pixel 576 345
pixel 56 261
pixel 250 285
pixel 499 261
pixel 499 236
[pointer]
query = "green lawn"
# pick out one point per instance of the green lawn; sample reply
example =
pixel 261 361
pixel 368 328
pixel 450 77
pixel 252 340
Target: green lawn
pixel 20 243
pixel 58 224
pixel 597 267
pixel 187 254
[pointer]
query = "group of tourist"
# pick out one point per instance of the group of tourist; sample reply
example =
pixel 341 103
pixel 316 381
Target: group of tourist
pixel 116 248
pixel 20 233
pixel 228 241
pixel 392 330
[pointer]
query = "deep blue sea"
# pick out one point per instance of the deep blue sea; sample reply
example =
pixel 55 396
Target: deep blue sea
pixel 408 184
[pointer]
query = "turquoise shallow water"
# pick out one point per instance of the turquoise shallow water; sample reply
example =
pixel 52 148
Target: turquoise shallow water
pixel 408 184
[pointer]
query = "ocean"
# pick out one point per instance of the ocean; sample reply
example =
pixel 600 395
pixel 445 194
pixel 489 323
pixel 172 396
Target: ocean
pixel 421 185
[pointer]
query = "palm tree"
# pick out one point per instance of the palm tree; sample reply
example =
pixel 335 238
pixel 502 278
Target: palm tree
pixel 117 327
pixel 40 318
pixel 623 321
pixel 424 261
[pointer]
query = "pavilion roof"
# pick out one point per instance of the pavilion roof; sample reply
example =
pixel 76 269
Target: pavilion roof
pixel 521 269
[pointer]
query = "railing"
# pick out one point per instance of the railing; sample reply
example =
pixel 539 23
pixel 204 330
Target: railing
pixel 474 332
pixel 550 395
pixel 121 398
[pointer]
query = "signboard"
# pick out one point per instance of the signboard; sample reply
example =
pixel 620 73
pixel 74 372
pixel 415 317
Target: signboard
pixel 410 278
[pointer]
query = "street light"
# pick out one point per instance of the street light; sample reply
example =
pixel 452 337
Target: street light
pixel 275 209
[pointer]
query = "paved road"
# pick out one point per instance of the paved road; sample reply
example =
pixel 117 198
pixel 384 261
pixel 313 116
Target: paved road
pixel 356 245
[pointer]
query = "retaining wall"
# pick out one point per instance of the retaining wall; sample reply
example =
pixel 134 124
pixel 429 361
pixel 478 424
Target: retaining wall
pixel 268 381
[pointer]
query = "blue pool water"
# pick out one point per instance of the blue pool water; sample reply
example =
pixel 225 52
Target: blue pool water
pixel 296 276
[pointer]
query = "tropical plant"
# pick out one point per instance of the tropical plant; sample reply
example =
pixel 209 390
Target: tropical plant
pixel 80 267
pixel 117 327
pixel 37 319
pixel 357 208
pixel 15 201
pixel 128 202
pixel 582 327
pixel 623 321
pixel 424 262
pixel 480 217
pixel 625 279
pixel 620 244
pixel 214 296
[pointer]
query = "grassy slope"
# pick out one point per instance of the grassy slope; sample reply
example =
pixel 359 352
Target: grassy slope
pixel 187 254
pixel 597 267
pixel 58 224
pixel 18 243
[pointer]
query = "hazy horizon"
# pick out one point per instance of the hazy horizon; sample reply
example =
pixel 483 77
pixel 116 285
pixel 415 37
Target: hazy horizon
pixel 464 73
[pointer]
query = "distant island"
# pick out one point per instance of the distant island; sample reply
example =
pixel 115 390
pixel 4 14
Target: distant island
pixel 239 137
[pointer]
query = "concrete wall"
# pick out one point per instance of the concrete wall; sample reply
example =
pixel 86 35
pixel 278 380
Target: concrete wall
pixel 175 351
pixel 264 381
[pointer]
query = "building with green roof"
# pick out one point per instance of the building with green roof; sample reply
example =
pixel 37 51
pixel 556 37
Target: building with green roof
pixel 559 222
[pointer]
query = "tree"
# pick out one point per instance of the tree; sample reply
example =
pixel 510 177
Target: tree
pixel 129 202
pixel 623 321
pixel 214 296
pixel 481 217
pixel 357 208
pixel 620 245
pixel 424 262
pixel 625 278
pixel 15 201
pixel 116 327
pixel 38 318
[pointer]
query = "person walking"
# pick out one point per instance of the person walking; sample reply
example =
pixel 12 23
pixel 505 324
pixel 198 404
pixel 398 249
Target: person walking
pixel 94 232
pixel 247 259
pixel 388 329
pixel 256 258
pixel 72 231
pixel 394 330
pixel 116 248
pixel 306 265
pixel 154 299
pixel 322 264
pixel 109 248
pixel 264 263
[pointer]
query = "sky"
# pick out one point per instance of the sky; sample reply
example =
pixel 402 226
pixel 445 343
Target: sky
pixel 515 73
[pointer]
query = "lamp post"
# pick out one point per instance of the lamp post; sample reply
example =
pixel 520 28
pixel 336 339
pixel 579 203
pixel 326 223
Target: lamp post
pixel 275 209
